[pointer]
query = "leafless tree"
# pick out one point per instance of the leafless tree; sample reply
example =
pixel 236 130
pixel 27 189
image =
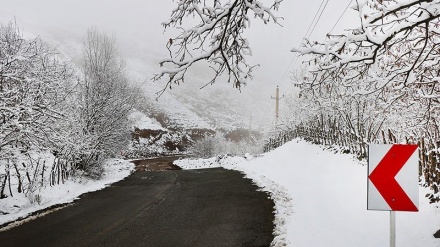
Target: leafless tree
pixel 105 99
pixel 393 55
pixel 32 88
pixel 217 37
pixel 31 82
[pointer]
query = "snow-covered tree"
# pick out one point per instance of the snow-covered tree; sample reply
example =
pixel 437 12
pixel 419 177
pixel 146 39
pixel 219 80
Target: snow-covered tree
pixel 216 37
pixel 33 83
pixel 393 52
pixel 105 100
pixel 31 86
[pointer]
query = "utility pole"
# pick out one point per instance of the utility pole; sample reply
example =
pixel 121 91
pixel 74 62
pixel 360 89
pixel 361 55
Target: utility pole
pixel 250 123
pixel 277 102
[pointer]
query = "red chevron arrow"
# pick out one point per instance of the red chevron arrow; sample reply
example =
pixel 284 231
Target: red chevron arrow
pixel 383 177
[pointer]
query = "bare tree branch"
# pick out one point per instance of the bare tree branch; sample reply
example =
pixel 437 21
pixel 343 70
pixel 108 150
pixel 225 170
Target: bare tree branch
pixel 217 38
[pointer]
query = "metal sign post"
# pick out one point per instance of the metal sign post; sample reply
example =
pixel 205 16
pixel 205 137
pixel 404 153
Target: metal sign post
pixel 392 228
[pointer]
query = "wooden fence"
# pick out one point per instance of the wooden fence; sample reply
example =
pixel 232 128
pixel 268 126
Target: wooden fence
pixel 30 174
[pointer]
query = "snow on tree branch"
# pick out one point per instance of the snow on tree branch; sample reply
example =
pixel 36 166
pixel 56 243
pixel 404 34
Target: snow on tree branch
pixel 391 61
pixel 31 81
pixel 216 38
pixel 396 40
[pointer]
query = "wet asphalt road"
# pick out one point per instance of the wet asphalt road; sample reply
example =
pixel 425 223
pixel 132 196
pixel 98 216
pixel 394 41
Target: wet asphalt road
pixel 208 207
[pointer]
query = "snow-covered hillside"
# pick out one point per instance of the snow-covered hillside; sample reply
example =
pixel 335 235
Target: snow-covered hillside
pixel 321 199
pixel 141 121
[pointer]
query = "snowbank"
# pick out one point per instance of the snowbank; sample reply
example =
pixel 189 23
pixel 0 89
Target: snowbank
pixel 321 199
pixel 19 206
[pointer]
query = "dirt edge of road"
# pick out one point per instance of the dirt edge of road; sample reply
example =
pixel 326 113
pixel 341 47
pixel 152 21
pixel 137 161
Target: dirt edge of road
pixel 157 164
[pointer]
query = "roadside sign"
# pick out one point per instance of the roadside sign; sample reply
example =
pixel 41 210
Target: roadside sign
pixel 393 177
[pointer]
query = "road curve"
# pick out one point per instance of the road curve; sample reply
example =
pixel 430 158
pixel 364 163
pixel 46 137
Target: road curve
pixel 207 207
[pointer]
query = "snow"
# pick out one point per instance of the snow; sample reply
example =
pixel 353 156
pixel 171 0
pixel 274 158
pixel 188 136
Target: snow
pixel 19 206
pixel 321 199
pixel 141 121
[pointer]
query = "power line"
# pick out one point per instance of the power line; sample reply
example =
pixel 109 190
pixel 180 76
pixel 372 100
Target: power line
pixel 339 19
pixel 305 35
pixel 341 16
pixel 316 14
pixel 316 23
pixel 288 67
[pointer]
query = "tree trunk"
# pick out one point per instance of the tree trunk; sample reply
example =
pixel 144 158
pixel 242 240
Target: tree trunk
pixel 3 186
pixel 20 184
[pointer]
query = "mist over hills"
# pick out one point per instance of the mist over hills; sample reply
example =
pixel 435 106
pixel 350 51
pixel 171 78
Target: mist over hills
pixel 141 40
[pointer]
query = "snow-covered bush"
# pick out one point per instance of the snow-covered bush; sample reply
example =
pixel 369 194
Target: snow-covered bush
pixel 213 145
pixel 158 143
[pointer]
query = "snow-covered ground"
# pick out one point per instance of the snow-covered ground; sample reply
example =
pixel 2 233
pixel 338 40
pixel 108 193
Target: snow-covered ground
pixel 19 206
pixel 141 121
pixel 321 199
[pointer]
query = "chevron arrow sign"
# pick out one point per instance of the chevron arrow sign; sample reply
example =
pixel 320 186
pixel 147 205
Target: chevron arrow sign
pixel 393 180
